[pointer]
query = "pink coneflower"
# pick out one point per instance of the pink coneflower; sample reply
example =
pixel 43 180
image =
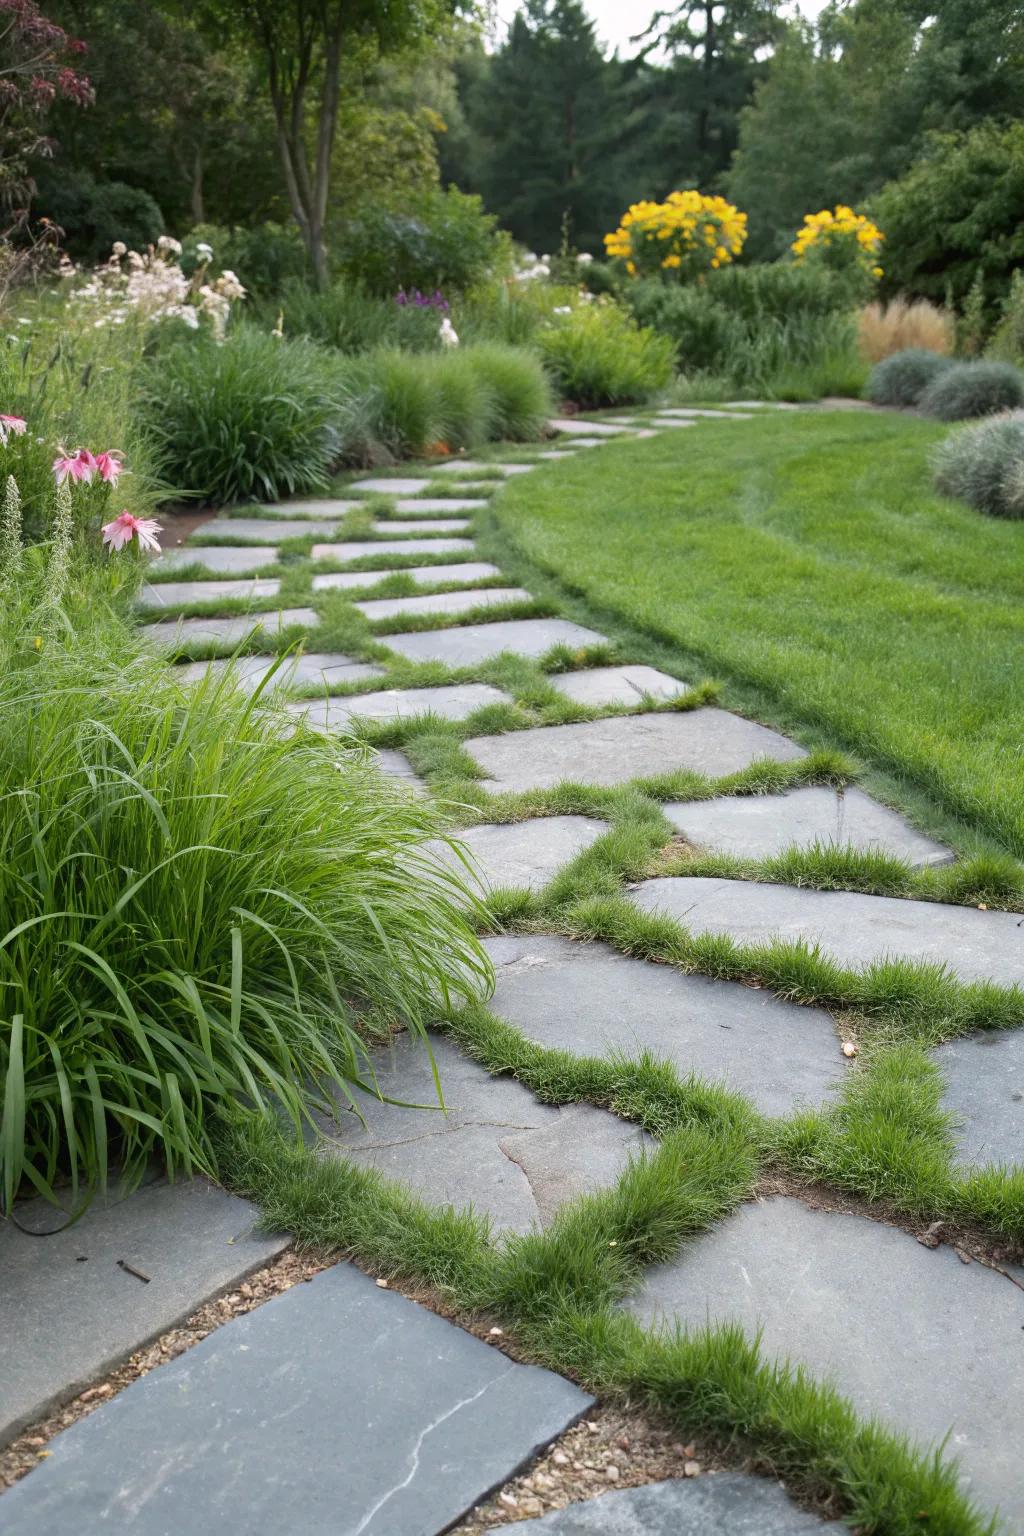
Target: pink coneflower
pixel 126 527
pixel 110 464
pixel 11 426
pixel 79 465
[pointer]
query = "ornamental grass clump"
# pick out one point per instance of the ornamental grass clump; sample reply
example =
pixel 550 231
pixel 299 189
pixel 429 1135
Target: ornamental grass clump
pixel 900 326
pixel 983 464
pixel 204 908
pixel 973 389
pixel 902 379
pixel 598 355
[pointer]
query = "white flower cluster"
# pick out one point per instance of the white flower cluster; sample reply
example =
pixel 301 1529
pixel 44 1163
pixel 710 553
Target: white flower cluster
pixel 153 287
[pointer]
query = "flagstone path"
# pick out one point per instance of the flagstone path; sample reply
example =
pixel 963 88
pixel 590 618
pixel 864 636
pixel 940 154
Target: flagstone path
pixel 273 1413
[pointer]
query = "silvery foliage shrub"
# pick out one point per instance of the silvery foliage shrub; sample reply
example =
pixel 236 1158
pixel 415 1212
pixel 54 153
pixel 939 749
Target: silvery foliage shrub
pixel 904 377
pixel 973 389
pixel 983 464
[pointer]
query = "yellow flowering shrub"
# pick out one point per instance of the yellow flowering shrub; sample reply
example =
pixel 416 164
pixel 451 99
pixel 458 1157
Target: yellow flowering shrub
pixel 841 239
pixel 686 236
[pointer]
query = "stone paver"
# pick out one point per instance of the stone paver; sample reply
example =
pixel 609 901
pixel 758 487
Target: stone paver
pixel 592 428
pixel 584 442
pixel 472 643
pixel 442 602
pixel 417 525
pixel 671 421
pixel 358 551
pixel 227 559
pixel 432 575
pixel 909 1333
pixel 625 747
pixel 176 594
pixel 476 466
pixel 456 701
pixel 317 669
pixel 397 766
pixel 300 510
pixel 421 505
pixel 496 1148
pixel 69 1314
pixel 552 455
pixel 856 930
pixel 985 1090
pixel 761 405
pixel 617 685
pixel 346 1402
pixel 589 999
pixel 524 853
pixel 757 826
pixel 687 412
pixel 263 530
pixel 723 1504
pixel 228 631
pixel 384 485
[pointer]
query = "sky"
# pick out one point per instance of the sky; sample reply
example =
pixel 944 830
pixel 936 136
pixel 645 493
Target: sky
pixel 619 20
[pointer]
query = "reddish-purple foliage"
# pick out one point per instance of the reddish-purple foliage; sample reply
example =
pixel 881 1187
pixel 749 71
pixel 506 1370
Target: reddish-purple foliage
pixel 37 67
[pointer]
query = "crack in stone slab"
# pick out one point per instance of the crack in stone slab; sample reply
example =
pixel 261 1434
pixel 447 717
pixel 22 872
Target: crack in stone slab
pixel 442 1418
pixel 443 1130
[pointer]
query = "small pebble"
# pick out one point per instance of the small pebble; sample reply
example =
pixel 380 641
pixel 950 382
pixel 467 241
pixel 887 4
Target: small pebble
pixel 691 1469
pixel 623 1442
pixel 383 1284
pixel 593 1427
pixel 509 1499
pixel 560 1459
pixel 612 1473
pixel 496 1333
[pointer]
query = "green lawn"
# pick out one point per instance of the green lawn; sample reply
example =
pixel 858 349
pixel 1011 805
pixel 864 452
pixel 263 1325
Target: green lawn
pixel 805 561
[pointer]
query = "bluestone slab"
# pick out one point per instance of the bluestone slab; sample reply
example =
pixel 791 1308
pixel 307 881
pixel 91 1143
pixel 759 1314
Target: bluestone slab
pixel 908 1333
pixel 722 1504
pixel 442 602
pixel 493 1146
pixel 584 442
pixel 394 485
pixel 337 1407
pixel 417 507
pixel 359 550
pixel 591 1000
pixel 625 747
pixel 757 826
pixel 225 560
pixel 311 669
pixel 760 405
pixel 429 575
pixel 69 1314
pixel 552 455
pixel 397 766
pixel 177 594
pixel 524 853
pixel 476 466
pixel 421 525
pixel 174 633
pixel 264 530
pixel 452 702
pixel 694 412
pixel 470 643
pixel 857 930
pixel 594 428
pixel 617 685
pixel 985 1090
pixel 303 509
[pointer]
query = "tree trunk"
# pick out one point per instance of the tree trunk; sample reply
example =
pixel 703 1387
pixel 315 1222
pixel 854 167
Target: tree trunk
pixel 198 204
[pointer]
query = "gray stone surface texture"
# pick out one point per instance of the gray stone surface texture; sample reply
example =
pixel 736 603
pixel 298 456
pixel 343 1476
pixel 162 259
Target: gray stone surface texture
pixel 584 442
pixel 337 1409
pixel 985 1090
pixel 397 766
pixel 423 505
pixel 493 1146
pixel 433 575
pixel 390 485
pixel 469 467
pixel 226 559
pixel 722 1504
pixel 757 826
pixel 471 643
pixel 624 747
pixel 524 853
pixel 327 507
pixel 69 1314
pixel 908 1333
pixel 617 685
pixel 313 669
pixel 454 701
pixel 442 602
pixel 857 930
pixel 552 455
pixel 416 525
pixel 592 428
pixel 672 421
pixel 694 412
pixel 264 530
pixel 228 631
pixel 760 405
pixel 176 594
pixel 591 1000
pixel 358 550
